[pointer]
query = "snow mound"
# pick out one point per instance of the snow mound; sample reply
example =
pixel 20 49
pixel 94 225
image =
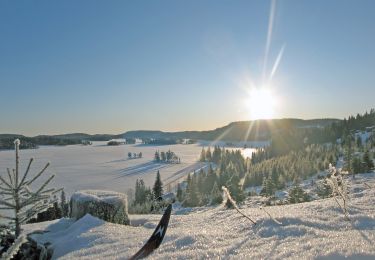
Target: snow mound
pixel 107 205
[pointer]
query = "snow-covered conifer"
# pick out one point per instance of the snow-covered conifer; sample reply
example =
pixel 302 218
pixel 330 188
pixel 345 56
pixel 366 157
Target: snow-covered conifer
pixel 17 195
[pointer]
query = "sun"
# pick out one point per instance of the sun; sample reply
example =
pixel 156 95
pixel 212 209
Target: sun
pixel 261 104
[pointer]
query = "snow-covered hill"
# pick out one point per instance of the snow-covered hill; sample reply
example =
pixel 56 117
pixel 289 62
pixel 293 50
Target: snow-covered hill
pixel 313 230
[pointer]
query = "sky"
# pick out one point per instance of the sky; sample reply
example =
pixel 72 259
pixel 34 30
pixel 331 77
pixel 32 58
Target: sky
pixel 112 66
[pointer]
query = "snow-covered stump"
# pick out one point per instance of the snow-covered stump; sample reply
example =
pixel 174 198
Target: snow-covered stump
pixel 107 205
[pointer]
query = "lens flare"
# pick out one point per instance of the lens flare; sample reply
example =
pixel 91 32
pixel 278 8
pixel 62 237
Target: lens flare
pixel 261 104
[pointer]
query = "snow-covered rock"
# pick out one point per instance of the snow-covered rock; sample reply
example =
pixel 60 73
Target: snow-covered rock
pixel 107 205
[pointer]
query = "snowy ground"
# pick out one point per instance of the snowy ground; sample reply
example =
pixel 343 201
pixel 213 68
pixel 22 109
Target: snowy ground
pixel 104 167
pixel 313 230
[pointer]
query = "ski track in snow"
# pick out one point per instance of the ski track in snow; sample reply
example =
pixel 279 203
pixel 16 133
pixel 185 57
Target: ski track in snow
pixel 312 230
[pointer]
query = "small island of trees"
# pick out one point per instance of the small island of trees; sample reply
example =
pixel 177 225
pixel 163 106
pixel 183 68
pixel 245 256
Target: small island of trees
pixel 166 157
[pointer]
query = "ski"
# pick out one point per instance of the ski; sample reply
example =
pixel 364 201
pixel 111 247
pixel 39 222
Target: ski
pixel 156 237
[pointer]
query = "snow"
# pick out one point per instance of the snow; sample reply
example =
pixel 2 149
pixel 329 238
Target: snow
pixel 107 205
pixel 364 135
pixel 312 230
pixel 103 167
pixel 109 197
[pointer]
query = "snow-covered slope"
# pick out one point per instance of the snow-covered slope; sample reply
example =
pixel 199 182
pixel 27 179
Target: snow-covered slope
pixel 313 230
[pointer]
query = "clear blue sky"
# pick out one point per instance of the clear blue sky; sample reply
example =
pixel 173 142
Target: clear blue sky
pixel 111 66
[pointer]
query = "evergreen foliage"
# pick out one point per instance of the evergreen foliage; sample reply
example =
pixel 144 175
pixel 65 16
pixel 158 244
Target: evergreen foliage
pixel 203 186
pixel 16 194
pixel 158 186
pixel 367 162
pixel 274 173
pixel 216 196
pixel 297 195
pixel 166 157
pixel 202 158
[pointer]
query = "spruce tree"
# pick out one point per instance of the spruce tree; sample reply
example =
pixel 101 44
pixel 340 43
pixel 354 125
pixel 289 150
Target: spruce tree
pixel 368 163
pixel 158 186
pixel 208 155
pixel 179 193
pixel 297 195
pixel 349 154
pixel 19 197
pixel 216 195
pixel 203 156
pixel 356 165
pixel 216 155
pixel 157 156
pixel 210 179
pixel 64 205
pixel 163 157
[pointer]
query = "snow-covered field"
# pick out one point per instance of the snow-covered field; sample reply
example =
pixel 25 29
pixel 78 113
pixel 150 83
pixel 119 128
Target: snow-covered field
pixel 99 166
pixel 313 230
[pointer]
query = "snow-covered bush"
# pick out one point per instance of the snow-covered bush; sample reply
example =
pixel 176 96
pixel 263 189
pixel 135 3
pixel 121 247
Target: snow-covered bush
pixel 107 205
pixel 339 189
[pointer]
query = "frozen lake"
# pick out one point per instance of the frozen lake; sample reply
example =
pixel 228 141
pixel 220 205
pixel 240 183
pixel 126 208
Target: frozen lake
pixel 99 166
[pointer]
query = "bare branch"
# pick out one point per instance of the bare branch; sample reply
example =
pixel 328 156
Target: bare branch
pixel 37 176
pixel 3 202
pixel 7 184
pixel 27 171
pixel 10 177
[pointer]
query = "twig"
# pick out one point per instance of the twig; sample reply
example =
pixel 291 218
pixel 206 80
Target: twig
pixel 226 191
pixel 367 185
pixel 276 221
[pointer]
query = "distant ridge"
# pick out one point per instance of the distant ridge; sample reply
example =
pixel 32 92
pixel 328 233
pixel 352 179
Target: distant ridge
pixel 236 131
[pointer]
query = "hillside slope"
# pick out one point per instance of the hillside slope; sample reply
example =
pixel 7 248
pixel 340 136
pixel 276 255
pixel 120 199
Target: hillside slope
pixel 314 230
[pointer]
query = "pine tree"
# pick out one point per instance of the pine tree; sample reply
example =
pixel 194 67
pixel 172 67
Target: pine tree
pixel 216 195
pixel 368 163
pixel 158 186
pixel 157 156
pixel 268 187
pixel 210 180
pixel 179 193
pixel 208 155
pixel 356 165
pixel 163 157
pixel 216 155
pixel 359 142
pixel 298 195
pixel 349 153
pixel 192 199
pixel 19 197
pixel 203 156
